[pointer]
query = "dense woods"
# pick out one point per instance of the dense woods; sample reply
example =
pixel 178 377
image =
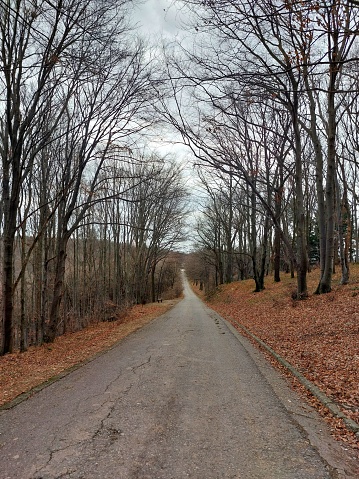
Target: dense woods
pixel 263 94
pixel 267 100
pixel 87 219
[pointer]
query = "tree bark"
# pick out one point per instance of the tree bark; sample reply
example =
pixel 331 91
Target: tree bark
pixel 277 236
pixel 58 291
pixel 325 284
pixel 301 240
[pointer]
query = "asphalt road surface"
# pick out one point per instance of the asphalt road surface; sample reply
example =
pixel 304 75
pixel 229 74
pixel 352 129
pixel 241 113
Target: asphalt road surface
pixel 185 397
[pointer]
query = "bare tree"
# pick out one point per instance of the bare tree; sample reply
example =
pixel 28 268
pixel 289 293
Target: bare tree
pixel 78 61
pixel 156 212
pixel 294 53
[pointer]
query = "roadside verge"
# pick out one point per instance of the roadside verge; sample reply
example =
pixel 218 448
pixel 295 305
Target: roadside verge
pixel 24 374
pixel 311 387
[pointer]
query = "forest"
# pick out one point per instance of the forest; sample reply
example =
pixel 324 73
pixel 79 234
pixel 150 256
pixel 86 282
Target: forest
pixel 88 218
pixel 270 95
pixel 264 95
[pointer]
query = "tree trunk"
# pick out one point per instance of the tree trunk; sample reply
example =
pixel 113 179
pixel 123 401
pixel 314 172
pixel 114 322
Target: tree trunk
pixel 277 236
pixel 23 318
pixel 257 273
pixel 344 230
pixel 153 285
pixel 356 229
pixel 319 169
pixel 302 253
pixel 229 263
pixel 9 232
pixel 228 230
pixel 58 292
pixel 264 254
pixel 325 284
pixel 8 300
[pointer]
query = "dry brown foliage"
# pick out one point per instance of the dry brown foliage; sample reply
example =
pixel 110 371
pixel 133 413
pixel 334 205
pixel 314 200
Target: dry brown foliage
pixel 20 372
pixel 319 336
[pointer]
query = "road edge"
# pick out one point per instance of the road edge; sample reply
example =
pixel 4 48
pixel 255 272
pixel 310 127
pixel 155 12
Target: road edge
pixel 307 418
pixel 310 386
pixel 24 396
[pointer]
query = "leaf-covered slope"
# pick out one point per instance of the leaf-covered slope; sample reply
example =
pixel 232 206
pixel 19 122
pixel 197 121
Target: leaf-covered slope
pixel 318 336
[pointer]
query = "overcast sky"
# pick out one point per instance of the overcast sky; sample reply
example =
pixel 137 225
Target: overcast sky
pixel 157 16
pixel 160 19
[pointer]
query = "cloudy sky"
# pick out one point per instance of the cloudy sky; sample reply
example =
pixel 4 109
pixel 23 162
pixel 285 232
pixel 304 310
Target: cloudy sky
pixel 158 21
pixel 158 17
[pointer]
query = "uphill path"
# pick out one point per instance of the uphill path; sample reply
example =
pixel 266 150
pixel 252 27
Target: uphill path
pixel 184 397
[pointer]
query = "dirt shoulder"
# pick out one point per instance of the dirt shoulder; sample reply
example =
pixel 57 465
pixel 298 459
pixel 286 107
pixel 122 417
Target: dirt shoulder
pixel 318 336
pixel 21 372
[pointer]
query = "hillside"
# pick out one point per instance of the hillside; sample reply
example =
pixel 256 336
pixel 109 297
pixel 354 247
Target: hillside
pixel 318 336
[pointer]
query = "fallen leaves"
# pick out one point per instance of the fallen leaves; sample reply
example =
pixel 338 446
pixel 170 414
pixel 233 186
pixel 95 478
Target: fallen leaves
pixel 318 336
pixel 20 372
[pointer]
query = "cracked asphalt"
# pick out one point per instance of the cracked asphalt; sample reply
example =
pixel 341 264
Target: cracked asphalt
pixel 185 397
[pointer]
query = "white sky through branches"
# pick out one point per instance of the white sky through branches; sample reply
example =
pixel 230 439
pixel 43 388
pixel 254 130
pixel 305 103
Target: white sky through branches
pixel 159 22
pixel 157 17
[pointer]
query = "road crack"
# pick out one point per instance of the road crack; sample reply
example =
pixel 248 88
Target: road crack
pixel 134 368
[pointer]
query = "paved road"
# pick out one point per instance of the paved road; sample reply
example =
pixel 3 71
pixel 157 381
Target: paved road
pixel 182 398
